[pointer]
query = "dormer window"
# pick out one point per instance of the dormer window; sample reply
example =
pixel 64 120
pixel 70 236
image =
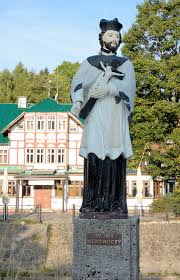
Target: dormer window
pixel 30 123
pixel 40 123
pixel 62 124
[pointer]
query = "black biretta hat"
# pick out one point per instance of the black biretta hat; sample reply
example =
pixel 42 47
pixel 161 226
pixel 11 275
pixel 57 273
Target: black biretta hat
pixel 110 25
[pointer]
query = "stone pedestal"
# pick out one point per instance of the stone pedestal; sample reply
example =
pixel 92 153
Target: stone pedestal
pixel 106 249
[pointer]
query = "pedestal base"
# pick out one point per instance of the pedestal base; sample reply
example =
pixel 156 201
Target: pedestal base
pixel 106 249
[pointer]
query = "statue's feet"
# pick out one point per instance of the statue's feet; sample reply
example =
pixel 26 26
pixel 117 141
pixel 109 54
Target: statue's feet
pixel 119 210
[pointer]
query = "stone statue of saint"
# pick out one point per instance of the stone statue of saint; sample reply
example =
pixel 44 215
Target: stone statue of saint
pixel 103 92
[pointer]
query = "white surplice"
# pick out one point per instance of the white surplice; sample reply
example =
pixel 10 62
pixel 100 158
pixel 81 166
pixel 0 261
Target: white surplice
pixel 106 129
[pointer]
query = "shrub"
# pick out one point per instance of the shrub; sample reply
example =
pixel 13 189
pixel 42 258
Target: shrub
pixel 168 203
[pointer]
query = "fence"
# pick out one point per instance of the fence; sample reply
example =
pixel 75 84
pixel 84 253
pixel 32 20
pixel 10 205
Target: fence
pixel 8 213
pixel 38 214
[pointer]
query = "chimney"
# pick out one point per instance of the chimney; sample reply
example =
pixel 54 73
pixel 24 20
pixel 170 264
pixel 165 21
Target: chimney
pixel 22 102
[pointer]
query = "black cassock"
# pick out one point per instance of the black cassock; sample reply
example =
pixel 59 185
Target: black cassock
pixel 104 185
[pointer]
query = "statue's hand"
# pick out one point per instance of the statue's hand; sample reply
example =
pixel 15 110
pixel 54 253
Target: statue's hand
pixel 76 108
pixel 108 73
pixel 99 90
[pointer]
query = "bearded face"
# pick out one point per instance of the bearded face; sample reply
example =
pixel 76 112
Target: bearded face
pixel 111 40
pixel 111 46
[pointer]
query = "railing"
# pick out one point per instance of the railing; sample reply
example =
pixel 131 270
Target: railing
pixel 143 212
pixel 8 213
pixel 38 214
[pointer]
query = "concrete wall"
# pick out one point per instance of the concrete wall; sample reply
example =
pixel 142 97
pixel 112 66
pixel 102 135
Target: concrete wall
pixel 160 247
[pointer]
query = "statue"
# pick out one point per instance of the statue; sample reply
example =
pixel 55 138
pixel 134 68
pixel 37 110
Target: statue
pixel 103 92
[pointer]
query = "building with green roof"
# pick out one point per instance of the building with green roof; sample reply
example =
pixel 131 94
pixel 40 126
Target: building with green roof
pixel 39 147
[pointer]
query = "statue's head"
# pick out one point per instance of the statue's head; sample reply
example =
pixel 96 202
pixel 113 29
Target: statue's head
pixel 110 37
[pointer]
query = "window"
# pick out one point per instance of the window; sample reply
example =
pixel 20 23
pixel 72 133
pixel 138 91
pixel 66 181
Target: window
pixel 3 156
pixel 40 123
pixel 75 188
pixel 59 188
pixel 73 129
pixel 62 125
pixel 61 155
pixel 11 188
pixel 50 155
pixel 134 191
pixel 40 155
pixel 30 123
pixel 20 125
pixel 51 122
pixel 134 188
pixel 146 191
pixel 29 155
pixel 26 190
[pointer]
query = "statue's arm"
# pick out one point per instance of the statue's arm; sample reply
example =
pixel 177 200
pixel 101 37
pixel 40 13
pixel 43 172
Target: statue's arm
pixel 77 85
pixel 77 90
pixel 125 89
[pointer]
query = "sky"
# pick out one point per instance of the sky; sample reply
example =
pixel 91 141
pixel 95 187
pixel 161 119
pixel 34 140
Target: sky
pixel 44 33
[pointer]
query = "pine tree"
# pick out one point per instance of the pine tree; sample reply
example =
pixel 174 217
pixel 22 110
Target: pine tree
pixel 6 86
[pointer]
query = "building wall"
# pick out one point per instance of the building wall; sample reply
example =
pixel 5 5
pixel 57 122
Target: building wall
pixel 147 181
pixel 61 134
pixel 16 148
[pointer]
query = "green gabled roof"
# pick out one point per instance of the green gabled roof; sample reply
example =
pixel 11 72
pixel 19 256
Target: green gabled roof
pixel 3 139
pixel 49 105
pixel 8 112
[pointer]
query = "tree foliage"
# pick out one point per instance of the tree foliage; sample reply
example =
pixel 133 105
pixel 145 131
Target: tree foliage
pixel 152 45
pixel 37 86
pixel 168 203
pixel 63 76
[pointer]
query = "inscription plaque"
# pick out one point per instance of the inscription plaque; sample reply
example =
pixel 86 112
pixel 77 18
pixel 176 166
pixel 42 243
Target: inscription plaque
pixel 98 238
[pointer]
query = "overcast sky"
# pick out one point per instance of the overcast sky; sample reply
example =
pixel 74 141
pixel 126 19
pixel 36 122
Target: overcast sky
pixel 44 33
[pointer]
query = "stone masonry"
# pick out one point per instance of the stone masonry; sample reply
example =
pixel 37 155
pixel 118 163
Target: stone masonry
pixel 160 247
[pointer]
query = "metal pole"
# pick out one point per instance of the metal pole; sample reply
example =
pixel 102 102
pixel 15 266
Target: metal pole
pixel 17 197
pixel 5 208
pixel 40 213
pixel 74 210
pixel 5 213
pixel 63 199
